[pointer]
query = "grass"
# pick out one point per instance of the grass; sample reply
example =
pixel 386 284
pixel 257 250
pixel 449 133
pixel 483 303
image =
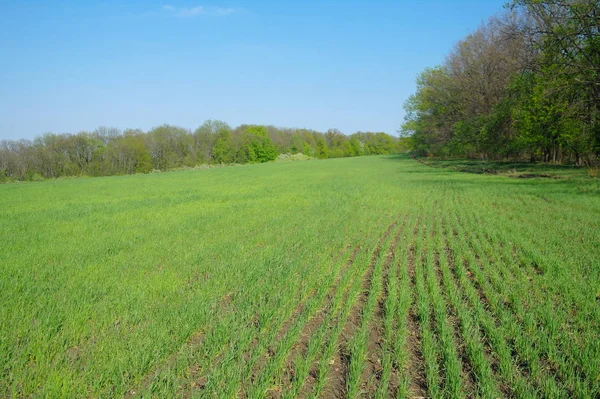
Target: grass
pixel 359 277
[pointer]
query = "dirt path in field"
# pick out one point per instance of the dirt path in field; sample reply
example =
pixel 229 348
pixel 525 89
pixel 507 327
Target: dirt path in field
pixel 338 366
pixel 416 362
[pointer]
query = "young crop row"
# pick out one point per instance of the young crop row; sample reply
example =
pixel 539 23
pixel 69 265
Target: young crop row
pixel 438 305
pixel 444 307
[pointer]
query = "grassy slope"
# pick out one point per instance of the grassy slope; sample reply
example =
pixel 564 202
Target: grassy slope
pixel 166 282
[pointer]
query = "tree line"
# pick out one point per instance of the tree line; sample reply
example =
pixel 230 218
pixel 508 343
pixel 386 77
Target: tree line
pixel 524 85
pixel 108 151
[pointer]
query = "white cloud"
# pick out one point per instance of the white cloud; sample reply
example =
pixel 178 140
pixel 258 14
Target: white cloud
pixel 188 12
pixel 226 11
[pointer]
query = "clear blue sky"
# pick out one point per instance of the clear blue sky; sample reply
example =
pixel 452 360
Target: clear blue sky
pixel 68 66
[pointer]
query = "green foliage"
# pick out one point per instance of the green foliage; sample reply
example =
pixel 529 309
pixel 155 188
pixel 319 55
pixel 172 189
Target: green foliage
pixel 143 163
pixel 31 175
pixel 522 86
pixel 223 149
pixel 258 145
pixel 107 151
pixel 322 151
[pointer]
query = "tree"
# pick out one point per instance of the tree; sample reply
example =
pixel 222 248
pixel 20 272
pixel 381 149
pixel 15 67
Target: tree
pixel 172 147
pixel 258 145
pixel 205 137
pixel 107 151
pixel 567 35
pixel 322 151
pixel 223 148
pixel 525 84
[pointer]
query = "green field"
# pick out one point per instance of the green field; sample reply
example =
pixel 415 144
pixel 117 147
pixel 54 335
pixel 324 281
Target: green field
pixel 354 277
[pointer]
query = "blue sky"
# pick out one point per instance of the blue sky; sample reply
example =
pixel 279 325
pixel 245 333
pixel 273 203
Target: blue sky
pixel 68 66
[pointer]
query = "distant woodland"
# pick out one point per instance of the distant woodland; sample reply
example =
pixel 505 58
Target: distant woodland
pixel 524 85
pixel 108 151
